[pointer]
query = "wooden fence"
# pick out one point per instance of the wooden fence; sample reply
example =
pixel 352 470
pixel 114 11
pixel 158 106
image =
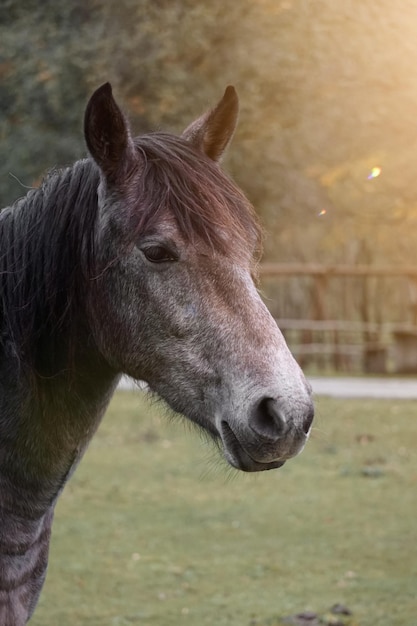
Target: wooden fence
pixel 343 317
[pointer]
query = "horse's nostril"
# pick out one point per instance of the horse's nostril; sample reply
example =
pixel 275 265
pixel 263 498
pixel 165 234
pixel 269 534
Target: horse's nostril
pixel 308 421
pixel 267 420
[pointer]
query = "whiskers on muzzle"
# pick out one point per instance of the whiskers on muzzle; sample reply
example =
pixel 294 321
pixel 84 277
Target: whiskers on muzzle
pixel 270 435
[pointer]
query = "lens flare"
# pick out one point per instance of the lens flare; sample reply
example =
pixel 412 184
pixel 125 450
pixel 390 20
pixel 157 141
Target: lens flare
pixel 322 212
pixel 374 173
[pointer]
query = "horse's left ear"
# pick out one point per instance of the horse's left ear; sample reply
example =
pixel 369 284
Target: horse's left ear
pixel 212 132
pixel 107 135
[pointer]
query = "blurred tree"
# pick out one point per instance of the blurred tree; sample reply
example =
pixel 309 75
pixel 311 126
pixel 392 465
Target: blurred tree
pixel 326 91
pixel 336 99
pixel 44 47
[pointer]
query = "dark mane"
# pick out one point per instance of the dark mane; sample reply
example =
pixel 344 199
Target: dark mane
pixel 46 250
pixel 205 202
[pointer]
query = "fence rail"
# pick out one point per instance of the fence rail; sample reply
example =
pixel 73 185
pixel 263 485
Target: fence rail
pixel 312 269
pixel 377 305
pixel 347 326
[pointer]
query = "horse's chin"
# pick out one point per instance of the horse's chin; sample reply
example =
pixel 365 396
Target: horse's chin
pixel 235 453
pixel 238 457
pixel 245 463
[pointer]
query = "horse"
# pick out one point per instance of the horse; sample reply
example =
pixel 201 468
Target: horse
pixel 138 260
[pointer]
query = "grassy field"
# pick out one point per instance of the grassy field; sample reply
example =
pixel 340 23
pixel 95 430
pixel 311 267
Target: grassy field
pixel 153 529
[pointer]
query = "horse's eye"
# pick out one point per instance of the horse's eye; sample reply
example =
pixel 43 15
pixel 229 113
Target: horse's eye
pixel 158 254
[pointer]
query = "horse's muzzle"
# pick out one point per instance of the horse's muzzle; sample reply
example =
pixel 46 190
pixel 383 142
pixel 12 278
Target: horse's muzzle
pixel 268 437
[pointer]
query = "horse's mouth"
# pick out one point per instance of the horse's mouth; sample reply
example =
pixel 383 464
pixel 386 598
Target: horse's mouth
pixel 239 457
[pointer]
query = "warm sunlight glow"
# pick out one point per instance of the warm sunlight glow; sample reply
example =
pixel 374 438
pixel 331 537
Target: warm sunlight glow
pixel 375 172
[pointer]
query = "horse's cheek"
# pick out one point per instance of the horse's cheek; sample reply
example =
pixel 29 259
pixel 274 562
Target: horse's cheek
pixel 112 299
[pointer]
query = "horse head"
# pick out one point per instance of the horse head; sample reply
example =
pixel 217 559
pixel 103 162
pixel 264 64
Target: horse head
pixel 174 301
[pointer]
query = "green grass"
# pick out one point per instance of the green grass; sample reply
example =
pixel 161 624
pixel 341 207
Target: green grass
pixel 154 530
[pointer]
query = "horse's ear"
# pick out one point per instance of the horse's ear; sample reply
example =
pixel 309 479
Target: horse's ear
pixel 107 135
pixel 212 132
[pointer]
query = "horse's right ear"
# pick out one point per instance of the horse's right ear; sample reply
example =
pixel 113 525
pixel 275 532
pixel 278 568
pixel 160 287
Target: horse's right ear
pixel 107 135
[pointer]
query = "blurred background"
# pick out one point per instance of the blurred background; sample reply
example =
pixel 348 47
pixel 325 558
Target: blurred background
pixel 326 147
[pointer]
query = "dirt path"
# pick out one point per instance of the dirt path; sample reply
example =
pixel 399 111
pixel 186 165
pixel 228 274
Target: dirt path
pixel 350 387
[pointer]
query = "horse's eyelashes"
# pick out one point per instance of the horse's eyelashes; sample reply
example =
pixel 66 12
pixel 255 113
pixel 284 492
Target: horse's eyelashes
pixel 159 254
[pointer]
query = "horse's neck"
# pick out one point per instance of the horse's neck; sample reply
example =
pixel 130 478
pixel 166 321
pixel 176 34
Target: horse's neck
pixel 24 546
pixel 50 406
pixel 44 431
pixel 43 441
